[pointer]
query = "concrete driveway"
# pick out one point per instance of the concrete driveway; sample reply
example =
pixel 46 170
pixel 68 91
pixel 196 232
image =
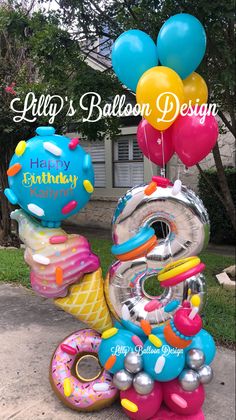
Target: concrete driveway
pixel 31 328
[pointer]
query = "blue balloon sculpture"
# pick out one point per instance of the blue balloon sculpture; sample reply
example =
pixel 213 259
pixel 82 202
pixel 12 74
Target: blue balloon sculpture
pixel 133 53
pixel 181 44
pixel 50 177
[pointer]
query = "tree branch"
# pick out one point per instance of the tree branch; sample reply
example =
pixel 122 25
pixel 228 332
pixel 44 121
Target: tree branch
pixel 205 177
pixel 227 123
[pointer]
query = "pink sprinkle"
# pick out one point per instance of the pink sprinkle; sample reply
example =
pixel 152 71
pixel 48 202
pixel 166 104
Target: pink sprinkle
pixel 68 349
pixel 69 207
pixel 73 143
pixel 152 305
pixel 137 341
pixel 181 402
pixel 58 239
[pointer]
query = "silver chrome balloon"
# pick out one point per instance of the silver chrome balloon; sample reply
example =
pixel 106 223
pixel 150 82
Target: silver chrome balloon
pixel 195 358
pixel 143 383
pixel 186 220
pixel 133 362
pixel 205 374
pixel 183 215
pixel 123 380
pixel 119 294
pixel 189 380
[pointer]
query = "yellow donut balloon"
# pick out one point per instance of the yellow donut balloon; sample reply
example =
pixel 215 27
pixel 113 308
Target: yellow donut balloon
pixel 195 90
pixel 160 94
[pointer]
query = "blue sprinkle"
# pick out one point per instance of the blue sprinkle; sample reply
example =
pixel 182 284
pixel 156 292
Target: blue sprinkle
pixel 172 306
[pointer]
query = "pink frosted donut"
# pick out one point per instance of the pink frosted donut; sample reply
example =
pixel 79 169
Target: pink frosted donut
pixel 79 393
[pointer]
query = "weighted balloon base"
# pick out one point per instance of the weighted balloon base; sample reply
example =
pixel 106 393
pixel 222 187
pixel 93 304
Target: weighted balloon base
pixel 166 413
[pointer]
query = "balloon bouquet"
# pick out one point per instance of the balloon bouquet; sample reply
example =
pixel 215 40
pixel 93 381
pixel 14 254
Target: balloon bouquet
pixel 157 356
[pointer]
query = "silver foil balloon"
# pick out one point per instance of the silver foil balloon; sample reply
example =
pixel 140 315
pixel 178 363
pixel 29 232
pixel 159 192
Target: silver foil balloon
pixel 123 380
pixel 133 362
pixel 183 215
pixel 143 383
pixel 205 374
pixel 195 358
pixel 119 294
pixel 187 223
pixel 189 380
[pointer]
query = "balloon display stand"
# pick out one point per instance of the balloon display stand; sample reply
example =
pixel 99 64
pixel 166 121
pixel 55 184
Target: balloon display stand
pixel 157 355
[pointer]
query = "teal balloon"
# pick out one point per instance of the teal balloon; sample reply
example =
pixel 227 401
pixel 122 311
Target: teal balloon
pixel 205 342
pixel 133 53
pixel 181 44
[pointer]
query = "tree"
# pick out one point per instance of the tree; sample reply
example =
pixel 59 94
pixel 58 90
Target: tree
pixel 93 18
pixel 38 55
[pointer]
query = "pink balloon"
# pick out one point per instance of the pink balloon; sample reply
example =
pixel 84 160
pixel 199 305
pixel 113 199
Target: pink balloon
pixel 149 141
pixel 180 401
pixel 147 405
pixel 166 413
pixel 192 139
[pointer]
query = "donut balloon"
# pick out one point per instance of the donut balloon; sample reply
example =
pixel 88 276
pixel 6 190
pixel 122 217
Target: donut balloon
pixel 50 177
pixel 73 388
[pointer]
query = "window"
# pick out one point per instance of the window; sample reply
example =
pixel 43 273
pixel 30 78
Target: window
pixel 127 163
pixel 97 153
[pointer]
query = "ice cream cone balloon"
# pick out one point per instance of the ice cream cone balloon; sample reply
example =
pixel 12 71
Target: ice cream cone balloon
pixel 86 302
pixel 56 259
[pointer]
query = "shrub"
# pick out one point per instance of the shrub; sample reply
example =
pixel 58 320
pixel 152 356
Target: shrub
pixel 221 227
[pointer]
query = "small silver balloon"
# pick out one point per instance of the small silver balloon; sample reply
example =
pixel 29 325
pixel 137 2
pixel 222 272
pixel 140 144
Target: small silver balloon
pixel 122 380
pixel 195 358
pixel 143 383
pixel 133 362
pixel 189 380
pixel 205 374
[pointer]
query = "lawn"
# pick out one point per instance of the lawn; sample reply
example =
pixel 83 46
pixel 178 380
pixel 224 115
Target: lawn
pixel 219 312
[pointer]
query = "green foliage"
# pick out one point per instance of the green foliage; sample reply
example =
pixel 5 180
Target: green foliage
pixel 221 227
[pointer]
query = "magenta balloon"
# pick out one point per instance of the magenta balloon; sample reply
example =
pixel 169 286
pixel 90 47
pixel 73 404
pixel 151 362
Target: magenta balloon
pixel 192 139
pixel 149 141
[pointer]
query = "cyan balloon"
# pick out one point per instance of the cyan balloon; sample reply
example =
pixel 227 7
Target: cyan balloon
pixel 205 342
pixel 181 44
pixel 133 53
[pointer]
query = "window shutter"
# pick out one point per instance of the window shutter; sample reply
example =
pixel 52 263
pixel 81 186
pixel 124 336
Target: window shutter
pixel 128 163
pixel 97 153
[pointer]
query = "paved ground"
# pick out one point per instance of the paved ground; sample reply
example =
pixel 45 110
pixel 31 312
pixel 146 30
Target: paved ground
pixel 30 329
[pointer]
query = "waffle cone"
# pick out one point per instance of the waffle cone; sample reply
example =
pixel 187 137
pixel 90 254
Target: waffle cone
pixel 86 302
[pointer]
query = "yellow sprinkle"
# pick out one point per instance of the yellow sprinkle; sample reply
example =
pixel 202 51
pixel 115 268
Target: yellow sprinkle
pixel 67 387
pixel 41 233
pixel 74 250
pixel 88 186
pixel 155 340
pixel 129 405
pixel 20 148
pixel 195 300
pixel 109 333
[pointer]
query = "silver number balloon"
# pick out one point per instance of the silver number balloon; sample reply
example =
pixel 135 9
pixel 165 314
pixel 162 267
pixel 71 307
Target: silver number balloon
pixel 188 226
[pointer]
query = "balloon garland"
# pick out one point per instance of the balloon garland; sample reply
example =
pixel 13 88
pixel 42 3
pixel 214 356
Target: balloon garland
pixel 156 356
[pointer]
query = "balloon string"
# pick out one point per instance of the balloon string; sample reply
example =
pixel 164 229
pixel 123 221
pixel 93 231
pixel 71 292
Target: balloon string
pixel 146 142
pixel 163 170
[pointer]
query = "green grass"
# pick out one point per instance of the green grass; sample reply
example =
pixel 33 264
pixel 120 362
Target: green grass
pixel 219 312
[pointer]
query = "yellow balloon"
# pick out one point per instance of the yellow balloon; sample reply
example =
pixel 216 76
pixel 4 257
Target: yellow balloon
pixel 195 90
pixel 160 94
